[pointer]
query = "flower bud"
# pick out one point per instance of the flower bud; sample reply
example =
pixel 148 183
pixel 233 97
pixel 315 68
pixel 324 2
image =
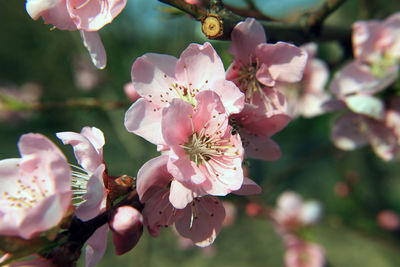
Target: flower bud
pixel 127 226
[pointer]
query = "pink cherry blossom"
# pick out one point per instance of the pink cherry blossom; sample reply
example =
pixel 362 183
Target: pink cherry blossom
pixel 159 79
pixel 258 64
pixel 204 156
pixel 292 213
pixel 355 130
pixel 36 188
pixel 89 191
pixel 306 97
pixel 256 69
pixel 377 42
pixel 358 78
pixel 87 16
pixel 303 254
pixel 256 128
pixel 200 220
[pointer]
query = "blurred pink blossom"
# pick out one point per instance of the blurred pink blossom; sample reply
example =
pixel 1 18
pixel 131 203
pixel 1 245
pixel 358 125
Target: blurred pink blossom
pixel 303 254
pixel 87 16
pixel 292 213
pixel 305 98
pixel 377 42
pixel 388 220
pixel 36 188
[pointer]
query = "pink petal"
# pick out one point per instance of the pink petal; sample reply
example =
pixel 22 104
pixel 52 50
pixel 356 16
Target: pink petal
pixel 92 42
pixel 259 147
pixel 231 96
pixel 383 140
pixel 177 123
pixel 95 136
pixel 285 62
pixel 203 226
pixel 92 15
pixel 365 36
pixel 249 187
pixel 179 195
pixel 245 37
pixel 349 132
pixel 96 246
pixel 152 76
pixel 158 212
pixel 85 152
pixel 316 76
pixel 184 170
pixel 144 119
pixel 199 65
pixel 358 78
pixel 53 12
pixel 152 177
pixel 130 92
pixel 95 196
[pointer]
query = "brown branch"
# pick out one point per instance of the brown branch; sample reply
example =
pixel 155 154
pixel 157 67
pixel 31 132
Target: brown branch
pixel 219 18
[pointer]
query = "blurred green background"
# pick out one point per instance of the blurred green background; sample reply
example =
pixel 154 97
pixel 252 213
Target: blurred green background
pixel 310 165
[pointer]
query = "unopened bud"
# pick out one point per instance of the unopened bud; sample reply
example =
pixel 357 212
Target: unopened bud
pixel 127 226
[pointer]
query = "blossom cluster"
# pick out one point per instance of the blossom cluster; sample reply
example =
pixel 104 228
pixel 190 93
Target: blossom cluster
pixel 204 120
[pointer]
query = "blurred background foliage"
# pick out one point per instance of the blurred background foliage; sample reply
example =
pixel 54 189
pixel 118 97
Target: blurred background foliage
pixel 310 165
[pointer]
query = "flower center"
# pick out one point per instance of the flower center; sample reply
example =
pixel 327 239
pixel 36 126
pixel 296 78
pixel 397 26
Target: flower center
pixel 28 194
pixel 202 147
pixel 247 80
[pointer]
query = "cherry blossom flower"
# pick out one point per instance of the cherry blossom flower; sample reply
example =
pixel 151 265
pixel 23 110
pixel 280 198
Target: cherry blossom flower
pixel 371 120
pixel 293 213
pixel 204 156
pixel 87 16
pixel 258 64
pixel 377 43
pixel 355 130
pixel 89 191
pixel 36 188
pixel 306 97
pixel 200 220
pixel 303 254
pixel 256 69
pixel 158 79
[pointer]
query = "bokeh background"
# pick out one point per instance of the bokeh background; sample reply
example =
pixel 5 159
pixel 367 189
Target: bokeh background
pixel 57 62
